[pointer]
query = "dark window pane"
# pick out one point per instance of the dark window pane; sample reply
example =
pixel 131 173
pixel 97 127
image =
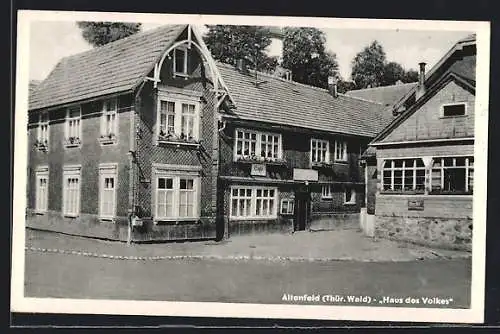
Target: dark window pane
pixel 454 110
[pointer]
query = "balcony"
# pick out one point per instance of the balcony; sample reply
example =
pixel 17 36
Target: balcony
pixel 72 142
pixel 42 145
pixel 107 139
pixel 177 140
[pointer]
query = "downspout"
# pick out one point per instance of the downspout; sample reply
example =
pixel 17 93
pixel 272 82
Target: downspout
pixel 132 164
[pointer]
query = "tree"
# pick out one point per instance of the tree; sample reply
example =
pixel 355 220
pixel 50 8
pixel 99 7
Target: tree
pixel 410 76
pixel 305 55
pixel 392 73
pixel 228 43
pixel 368 66
pixel 101 33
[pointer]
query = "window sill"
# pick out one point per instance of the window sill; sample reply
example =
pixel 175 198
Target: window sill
pixel 325 165
pixel 176 221
pixel 178 143
pixel 457 116
pixel 107 141
pixel 341 162
pixel 450 193
pixel 182 75
pixel 253 218
pixel 327 199
pixel 107 219
pixel 287 214
pixel 276 162
pixel 71 144
pixel 40 212
pixel 402 192
pixel 349 203
pixel 70 215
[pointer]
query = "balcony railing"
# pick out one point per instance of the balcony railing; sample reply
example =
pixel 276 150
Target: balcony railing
pixel 72 142
pixel 261 160
pixel 107 139
pixel 177 139
pixel 42 145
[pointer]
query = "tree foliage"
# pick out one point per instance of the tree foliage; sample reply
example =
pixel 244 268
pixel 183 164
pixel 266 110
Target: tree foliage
pixel 371 69
pixel 101 33
pixel 228 43
pixel 305 55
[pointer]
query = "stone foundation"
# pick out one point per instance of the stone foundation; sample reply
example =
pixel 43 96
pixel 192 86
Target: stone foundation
pixel 88 225
pixel 450 233
pixel 252 227
pixel 334 221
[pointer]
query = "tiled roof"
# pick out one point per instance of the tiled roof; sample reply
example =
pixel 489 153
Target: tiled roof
pixel 112 68
pixel 33 84
pixel 386 95
pixel 465 68
pixel 276 100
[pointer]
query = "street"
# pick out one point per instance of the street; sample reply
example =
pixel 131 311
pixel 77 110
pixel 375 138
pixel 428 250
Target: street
pixel 246 281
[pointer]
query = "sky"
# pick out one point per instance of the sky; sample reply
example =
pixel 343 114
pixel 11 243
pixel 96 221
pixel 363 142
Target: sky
pixel 52 40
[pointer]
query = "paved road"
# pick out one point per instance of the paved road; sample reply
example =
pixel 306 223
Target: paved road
pixel 74 276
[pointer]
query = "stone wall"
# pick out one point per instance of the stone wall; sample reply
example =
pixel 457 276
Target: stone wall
pixel 450 233
pixel 334 221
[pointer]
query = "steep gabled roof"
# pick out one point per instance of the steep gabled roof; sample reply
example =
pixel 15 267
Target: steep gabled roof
pixel 279 101
pixel 385 95
pixel 115 67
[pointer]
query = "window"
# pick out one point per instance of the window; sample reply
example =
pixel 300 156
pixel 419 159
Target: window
pixel 287 206
pixel 43 131
pixel 403 175
pixel 109 121
pixel 178 120
pixel 350 196
pixel 253 202
pixel 320 151
pixel 71 191
pixel 107 190
pixel 180 61
pixel 177 194
pixel 257 145
pixel 42 194
pixel 451 110
pixel 452 175
pixel 340 150
pixel 73 127
pixel 326 191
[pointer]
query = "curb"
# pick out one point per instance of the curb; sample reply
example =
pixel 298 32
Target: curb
pixel 215 257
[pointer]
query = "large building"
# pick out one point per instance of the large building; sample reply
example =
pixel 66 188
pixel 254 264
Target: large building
pixel 151 125
pixel 424 172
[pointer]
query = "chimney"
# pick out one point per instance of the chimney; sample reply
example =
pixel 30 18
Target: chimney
pixel 332 86
pixel 421 81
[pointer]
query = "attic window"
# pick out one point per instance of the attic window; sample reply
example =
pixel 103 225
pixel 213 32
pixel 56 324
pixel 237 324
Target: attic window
pixel 452 110
pixel 180 61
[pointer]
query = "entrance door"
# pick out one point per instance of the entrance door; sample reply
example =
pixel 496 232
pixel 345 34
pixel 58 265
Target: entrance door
pixel 302 207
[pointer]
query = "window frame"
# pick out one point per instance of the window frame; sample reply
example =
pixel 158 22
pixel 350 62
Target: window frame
pixel 178 100
pixel 291 202
pixel 107 170
pixel 258 146
pixel 467 168
pixel 109 138
pixel 185 61
pixel 73 171
pixel 403 169
pixel 177 172
pixel 327 154
pixel 77 140
pixel 41 172
pixel 343 144
pixel 253 202
pixel 327 195
pixel 453 104
pixel 43 143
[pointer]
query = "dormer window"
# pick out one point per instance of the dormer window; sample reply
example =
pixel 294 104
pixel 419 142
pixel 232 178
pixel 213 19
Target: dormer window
pixel 453 110
pixel 180 61
pixel 73 127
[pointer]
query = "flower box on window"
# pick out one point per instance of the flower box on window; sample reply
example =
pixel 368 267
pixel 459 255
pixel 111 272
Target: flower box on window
pixel 259 159
pixel 181 139
pixel 107 139
pixel 72 142
pixel 42 145
pixel 323 164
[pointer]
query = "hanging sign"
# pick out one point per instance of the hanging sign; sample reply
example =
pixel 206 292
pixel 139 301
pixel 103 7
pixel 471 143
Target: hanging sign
pixel 258 170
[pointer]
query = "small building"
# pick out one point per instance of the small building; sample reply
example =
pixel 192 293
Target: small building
pixel 425 156
pixel 150 126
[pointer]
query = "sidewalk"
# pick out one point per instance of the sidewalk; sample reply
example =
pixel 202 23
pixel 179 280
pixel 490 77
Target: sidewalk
pixel 302 246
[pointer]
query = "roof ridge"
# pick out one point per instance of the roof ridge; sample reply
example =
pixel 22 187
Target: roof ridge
pixel 121 40
pixel 381 87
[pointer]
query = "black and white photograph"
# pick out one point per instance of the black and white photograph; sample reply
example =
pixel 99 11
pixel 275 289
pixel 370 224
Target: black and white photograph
pixel 238 166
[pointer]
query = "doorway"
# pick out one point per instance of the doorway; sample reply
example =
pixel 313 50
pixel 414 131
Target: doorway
pixel 302 209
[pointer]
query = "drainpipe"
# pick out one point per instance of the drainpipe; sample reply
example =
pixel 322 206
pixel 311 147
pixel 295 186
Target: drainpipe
pixel 132 156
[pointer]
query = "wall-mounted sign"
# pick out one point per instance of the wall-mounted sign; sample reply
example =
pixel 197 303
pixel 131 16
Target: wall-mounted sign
pixel 416 204
pixel 305 174
pixel 258 170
